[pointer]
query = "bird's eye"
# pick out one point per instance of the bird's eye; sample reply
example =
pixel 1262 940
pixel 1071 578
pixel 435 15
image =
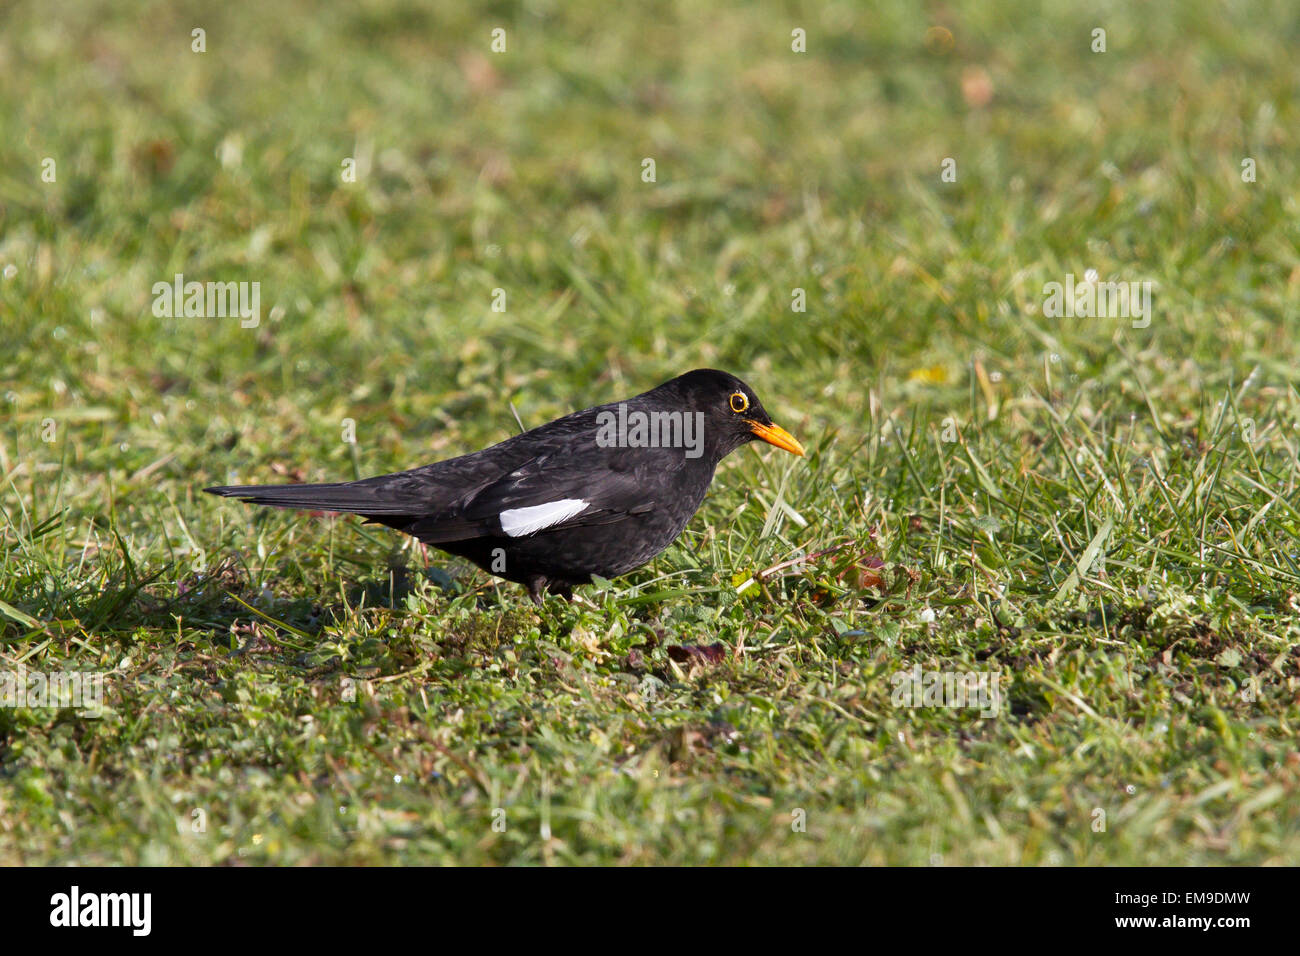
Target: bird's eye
pixel 739 402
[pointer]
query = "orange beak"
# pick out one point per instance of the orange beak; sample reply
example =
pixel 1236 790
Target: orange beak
pixel 778 436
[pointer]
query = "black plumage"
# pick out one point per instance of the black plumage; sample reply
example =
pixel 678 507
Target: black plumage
pixel 597 492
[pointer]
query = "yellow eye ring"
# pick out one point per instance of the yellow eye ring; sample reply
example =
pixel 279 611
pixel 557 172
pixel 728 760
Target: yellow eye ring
pixel 739 402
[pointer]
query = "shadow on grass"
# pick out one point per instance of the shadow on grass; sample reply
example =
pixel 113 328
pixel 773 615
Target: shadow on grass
pixel 118 601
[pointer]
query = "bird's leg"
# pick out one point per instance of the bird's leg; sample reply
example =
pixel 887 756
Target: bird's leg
pixel 537 588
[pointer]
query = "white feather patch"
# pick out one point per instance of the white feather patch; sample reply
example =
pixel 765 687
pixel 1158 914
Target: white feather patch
pixel 521 521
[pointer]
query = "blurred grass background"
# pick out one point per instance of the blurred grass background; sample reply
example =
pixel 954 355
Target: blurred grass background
pixel 775 170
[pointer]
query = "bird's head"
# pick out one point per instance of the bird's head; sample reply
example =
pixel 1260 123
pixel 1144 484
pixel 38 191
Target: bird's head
pixel 733 415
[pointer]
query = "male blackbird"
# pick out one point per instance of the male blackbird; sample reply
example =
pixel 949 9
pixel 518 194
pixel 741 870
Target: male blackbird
pixel 597 492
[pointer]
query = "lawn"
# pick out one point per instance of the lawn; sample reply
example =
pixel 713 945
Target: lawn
pixel 1098 513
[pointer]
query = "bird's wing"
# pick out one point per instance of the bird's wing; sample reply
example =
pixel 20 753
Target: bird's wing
pixel 546 493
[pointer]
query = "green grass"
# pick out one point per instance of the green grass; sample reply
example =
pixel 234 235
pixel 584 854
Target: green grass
pixel 1114 529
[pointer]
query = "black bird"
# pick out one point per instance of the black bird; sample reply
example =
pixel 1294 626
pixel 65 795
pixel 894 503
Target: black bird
pixel 597 492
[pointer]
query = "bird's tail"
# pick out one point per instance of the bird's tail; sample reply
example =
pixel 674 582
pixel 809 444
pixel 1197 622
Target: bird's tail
pixel 377 496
